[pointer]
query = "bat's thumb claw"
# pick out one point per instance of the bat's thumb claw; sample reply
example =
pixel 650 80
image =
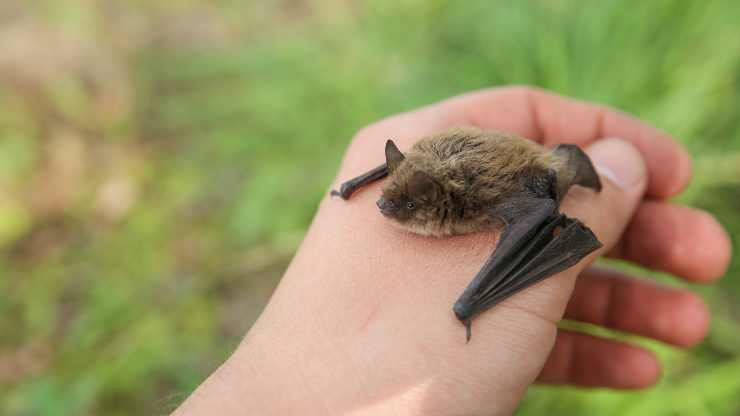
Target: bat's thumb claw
pixel 342 193
pixel 467 331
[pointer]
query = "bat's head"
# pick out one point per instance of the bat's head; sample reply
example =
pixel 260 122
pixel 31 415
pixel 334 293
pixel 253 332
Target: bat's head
pixel 411 197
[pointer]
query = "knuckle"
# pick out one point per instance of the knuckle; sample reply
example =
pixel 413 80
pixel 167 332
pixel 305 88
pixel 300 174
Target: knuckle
pixel 518 89
pixel 496 93
pixel 521 90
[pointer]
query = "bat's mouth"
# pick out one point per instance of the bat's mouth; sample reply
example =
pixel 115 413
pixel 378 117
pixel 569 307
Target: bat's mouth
pixel 387 208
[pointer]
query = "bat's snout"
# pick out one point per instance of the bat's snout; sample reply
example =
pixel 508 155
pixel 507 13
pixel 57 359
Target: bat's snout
pixel 387 208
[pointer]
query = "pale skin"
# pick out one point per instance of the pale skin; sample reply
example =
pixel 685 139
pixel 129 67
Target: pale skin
pixel 361 323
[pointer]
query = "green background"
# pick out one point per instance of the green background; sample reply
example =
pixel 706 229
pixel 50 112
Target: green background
pixel 159 165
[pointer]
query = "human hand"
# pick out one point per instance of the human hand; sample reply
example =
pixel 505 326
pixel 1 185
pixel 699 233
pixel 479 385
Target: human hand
pixel 362 322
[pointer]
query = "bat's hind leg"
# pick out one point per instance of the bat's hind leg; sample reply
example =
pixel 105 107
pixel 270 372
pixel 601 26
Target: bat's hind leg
pixel 578 170
pixel 348 188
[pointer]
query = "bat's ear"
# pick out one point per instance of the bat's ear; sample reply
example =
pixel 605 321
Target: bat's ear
pixel 422 186
pixel 393 156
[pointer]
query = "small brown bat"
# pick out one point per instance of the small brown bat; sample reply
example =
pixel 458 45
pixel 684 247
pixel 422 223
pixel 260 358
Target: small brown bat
pixel 469 180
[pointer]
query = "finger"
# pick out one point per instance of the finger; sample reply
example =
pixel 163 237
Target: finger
pixel 614 300
pixel 683 241
pixel 544 117
pixel 669 165
pixel 589 361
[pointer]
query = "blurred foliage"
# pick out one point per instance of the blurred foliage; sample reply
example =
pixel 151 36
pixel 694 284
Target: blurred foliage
pixel 159 163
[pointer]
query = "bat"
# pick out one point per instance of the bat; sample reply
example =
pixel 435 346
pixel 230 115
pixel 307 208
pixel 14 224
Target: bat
pixel 468 180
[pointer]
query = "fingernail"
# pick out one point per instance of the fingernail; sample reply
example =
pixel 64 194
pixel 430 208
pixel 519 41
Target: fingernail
pixel 619 161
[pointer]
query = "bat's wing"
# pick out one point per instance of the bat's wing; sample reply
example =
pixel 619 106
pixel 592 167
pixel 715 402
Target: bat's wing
pixel 536 243
pixel 348 188
pixel 577 170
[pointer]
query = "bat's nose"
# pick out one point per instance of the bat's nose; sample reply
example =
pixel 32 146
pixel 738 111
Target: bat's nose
pixel 380 203
pixel 386 207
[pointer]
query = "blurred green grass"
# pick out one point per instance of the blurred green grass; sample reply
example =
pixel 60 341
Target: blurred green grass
pixel 160 164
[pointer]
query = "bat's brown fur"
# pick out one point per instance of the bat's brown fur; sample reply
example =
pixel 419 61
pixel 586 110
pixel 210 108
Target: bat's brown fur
pixel 453 179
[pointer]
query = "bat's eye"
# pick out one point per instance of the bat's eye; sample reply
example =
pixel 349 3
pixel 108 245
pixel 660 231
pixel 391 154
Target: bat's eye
pixel 410 205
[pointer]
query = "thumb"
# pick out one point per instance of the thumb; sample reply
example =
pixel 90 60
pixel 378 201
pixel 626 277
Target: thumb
pixel 624 177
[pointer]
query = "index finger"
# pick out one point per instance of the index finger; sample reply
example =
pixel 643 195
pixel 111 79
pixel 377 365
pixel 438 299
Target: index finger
pixel 549 119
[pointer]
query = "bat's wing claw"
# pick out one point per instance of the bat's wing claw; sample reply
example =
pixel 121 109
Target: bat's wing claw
pixel 578 170
pixel 354 184
pixel 344 191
